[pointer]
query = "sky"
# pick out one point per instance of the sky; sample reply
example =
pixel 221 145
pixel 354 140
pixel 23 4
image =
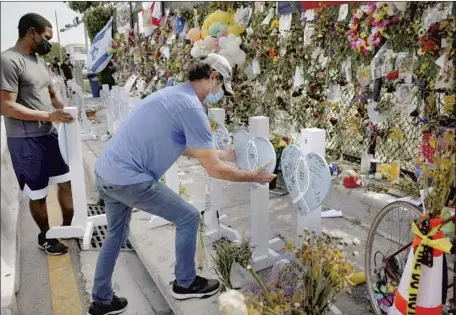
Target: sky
pixel 11 12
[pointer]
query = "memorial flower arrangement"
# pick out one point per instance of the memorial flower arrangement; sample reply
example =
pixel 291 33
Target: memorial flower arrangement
pixel 281 73
pixel 303 282
pixel 229 253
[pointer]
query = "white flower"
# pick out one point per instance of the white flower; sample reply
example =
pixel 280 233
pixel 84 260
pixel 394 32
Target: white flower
pixel 356 241
pixel 306 82
pixel 394 55
pixel 232 303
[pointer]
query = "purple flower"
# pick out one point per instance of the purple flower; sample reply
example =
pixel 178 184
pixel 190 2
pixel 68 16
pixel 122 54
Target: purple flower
pixel 289 291
pixel 331 50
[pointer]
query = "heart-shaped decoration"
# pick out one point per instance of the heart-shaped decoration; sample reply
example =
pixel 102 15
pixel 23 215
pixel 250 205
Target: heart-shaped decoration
pixel 252 153
pixel 221 137
pixel 307 178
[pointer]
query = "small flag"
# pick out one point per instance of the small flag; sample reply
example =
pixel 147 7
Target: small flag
pixel 99 55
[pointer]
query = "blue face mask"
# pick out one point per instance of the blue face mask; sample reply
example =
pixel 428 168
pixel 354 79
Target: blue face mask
pixel 212 98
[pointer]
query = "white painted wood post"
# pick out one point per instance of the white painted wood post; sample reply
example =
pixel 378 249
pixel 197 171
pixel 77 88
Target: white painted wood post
pixel 108 104
pixel 115 108
pixel 312 140
pixel 263 257
pixel 74 156
pixel 215 230
pixel 172 181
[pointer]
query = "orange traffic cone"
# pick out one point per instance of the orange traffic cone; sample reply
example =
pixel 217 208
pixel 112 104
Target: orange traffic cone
pixel 419 291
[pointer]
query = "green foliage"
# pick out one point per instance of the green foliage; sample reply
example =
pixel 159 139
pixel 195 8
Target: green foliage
pixel 226 254
pixel 96 18
pixel 82 6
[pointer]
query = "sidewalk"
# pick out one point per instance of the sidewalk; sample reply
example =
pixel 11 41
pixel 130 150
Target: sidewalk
pixel 155 246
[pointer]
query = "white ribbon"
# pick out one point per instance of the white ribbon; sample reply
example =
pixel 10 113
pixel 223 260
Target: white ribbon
pixel 249 144
pixel 302 192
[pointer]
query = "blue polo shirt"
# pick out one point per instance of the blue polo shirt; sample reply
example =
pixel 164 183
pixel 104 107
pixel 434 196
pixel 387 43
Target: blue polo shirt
pixel 154 136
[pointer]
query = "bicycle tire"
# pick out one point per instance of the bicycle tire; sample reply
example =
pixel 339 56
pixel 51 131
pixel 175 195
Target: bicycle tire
pixel 369 246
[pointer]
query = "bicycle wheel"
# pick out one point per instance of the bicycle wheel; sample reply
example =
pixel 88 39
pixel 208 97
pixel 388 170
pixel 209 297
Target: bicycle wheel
pixel 389 233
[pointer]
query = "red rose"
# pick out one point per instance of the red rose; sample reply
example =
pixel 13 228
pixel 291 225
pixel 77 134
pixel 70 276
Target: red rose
pixel 393 75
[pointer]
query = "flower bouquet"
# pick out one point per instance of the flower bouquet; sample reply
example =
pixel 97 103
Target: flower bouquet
pixel 305 283
pixel 279 143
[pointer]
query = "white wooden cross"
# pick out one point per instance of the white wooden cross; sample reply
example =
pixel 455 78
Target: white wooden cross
pixel 307 177
pixel 70 147
pixel 215 229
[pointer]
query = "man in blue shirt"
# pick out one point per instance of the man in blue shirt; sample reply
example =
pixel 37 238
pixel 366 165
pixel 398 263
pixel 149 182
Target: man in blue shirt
pixel 167 124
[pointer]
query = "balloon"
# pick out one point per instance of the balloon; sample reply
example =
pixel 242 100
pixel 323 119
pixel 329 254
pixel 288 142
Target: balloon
pixel 224 17
pixel 204 33
pixel 222 52
pixel 214 29
pixel 236 29
pixel 223 41
pixel 230 61
pixel 194 34
pixel 238 40
pixel 240 57
pixel 223 27
pixel 199 43
pixel 231 37
pixel 232 48
pixel 209 43
pixel 194 52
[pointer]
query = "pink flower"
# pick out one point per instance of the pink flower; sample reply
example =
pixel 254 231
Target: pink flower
pixel 395 20
pixel 365 50
pixel 320 74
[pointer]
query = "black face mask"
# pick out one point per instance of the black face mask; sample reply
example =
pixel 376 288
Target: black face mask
pixel 43 47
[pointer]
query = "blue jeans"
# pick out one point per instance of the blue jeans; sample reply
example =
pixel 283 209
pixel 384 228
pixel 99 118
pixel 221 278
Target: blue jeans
pixel 154 198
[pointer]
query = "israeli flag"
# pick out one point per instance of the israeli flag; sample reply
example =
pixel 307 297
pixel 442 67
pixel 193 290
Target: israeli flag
pixel 99 57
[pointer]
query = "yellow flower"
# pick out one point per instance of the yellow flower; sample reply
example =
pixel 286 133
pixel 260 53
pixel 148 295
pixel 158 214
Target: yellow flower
pixel 433 142
pixel 274 60
pixel 396 134
pixel 282 143
pixel 448 136
pixel 275 24
pixel 213 125
pixel 448 103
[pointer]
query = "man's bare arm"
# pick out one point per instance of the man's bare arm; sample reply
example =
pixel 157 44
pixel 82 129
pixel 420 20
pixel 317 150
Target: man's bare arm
pixel 222 155
pixel 56 103
pixel 10 108
pixel 217 169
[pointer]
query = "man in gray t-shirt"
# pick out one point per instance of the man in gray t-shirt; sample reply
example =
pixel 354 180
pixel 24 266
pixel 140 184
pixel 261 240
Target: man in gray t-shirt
pixel 27 102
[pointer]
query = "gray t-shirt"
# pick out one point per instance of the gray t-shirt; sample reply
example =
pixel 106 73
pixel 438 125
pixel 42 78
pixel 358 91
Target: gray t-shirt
pixel 28 76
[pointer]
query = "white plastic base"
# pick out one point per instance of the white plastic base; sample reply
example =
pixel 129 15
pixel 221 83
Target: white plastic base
pixel 223 231
pixel 261 262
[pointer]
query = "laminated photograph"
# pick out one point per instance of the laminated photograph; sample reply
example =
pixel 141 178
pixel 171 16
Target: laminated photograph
pixel 334 92
pixel 347 69
pixel 404 98
pixel 401 61
pixel 406 77
pixel 343 12
pixel 444 79
pixel 308 33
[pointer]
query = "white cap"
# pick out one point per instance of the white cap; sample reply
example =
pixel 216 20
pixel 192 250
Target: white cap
pixel 222 66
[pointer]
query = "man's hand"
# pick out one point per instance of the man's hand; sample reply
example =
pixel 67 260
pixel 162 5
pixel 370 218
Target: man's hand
pixel 59 116
pixel 261 176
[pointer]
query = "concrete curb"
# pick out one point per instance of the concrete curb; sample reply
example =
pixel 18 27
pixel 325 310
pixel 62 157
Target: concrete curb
pixel 10 244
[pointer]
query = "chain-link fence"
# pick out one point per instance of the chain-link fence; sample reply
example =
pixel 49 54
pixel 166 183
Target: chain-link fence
pixel 397 136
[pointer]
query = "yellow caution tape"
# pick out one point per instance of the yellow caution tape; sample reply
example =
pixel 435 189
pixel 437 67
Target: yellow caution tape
pixel 443 245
